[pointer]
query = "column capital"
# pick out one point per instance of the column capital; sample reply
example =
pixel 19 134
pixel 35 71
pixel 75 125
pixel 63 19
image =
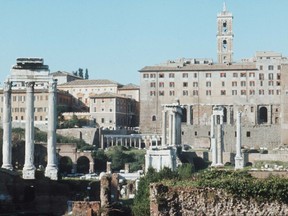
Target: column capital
pixel 29 85
pixel 53 85
pixel 7 86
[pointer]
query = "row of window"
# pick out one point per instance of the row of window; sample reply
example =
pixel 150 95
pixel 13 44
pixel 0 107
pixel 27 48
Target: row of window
pixel 36 109
pixel 222 75
pixel 36 118
pixel 222 92
pixel 208 84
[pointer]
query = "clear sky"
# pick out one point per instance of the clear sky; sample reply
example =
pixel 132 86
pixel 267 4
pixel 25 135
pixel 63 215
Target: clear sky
pixel 116 38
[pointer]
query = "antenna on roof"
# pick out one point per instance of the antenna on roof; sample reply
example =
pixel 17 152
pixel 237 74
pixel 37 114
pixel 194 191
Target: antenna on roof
pixel 224 7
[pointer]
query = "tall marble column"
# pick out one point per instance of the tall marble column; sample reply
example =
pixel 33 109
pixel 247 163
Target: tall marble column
pixel 164 128
pixel 29 168
pixel 188 115
pixel 213 142
pixel 239 162
pixel 7 128
pixel 52 163
pixel 219 145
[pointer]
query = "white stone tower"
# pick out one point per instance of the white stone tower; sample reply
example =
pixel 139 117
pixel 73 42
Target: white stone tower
pixel 224 36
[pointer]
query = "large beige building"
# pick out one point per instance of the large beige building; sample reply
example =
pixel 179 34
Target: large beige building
pixel 251 86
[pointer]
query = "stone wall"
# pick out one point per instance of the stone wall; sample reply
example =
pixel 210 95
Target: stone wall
pixel 89 135
pixel 190 201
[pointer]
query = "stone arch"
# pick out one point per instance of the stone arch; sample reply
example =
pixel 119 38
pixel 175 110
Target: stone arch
pixel 65 165
pixel 153 118
pixel 263 115
pixel 83 164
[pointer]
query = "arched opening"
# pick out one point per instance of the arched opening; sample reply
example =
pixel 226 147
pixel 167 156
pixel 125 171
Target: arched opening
pixel 263 115
pixel 65 165
pixel 153 118
pixel 83 165
pixel 184 115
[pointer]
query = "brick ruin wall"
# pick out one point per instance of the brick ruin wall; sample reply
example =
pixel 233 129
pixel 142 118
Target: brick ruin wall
pixel 190 201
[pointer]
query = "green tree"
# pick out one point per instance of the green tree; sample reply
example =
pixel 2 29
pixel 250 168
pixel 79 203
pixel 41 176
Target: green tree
pixel 86 74
pixel 80 72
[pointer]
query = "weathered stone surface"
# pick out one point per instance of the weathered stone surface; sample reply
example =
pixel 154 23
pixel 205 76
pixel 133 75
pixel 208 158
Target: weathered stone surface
pixel 190 201
pixel 83 208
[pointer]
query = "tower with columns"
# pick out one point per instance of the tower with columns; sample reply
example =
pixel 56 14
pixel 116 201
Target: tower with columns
pixel 29 72
pixel 224 36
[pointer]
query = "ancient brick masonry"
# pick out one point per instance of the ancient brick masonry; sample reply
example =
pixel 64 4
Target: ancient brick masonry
pixel 190 201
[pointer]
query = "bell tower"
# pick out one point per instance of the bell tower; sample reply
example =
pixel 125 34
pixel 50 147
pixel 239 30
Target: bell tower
pixel 224 36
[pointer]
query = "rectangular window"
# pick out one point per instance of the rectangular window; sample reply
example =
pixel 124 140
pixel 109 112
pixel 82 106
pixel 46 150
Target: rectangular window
pixel 270 67
pixel 278 76
pixel 278 83
pixel 161 84
pixel 223 92
pixel 235 74
pixel 234 92
pixel 185 84
pixel 252 83
pixel 261 91
pixel 208 92
pixel 161 75
pixel 271 92
pixel 242 74
pixel 171 93
pixel 195 75
pixel 185 75
pixel 261 67
pixel 252 74
pixel 279 67
pixel 270 83
pixel 152 84
pixel 270 76
pixel 278 92
pixel 252 92
pixel 243 83
pixel 222 74
pixel 145 75
pixel 161 93
pixel 195 84
pixel 102 120
pixel 195 92
pixel 171 75
pixel 152 93
pixel 208 75
pixel 185 93
pixel 261 76
pixel 243 92
pixel 234 83
pixel 248 134
pixel 223 84
pixel 208 84
pixel 172 84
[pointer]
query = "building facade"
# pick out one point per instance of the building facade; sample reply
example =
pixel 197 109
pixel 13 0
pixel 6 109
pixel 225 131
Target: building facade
pixel 251 86
pixel 113 111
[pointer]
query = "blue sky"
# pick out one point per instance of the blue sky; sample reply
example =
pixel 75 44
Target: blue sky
pixel 116 38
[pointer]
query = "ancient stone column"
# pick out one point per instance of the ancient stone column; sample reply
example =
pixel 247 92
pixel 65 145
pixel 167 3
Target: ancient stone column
pixel 7 128
pixel 52 163
pixel 91 167
pixel 164 128
pixel 139 143
pixel 29 168
pixel 219 146
pixel 188 117
pixel 239 162
pixel 213 142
